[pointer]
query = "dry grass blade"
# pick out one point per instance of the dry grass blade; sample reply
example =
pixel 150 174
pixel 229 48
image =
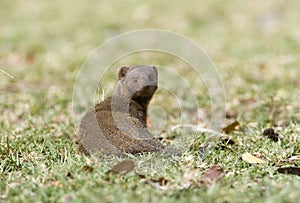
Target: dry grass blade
pixel 214 174
pixel 6 73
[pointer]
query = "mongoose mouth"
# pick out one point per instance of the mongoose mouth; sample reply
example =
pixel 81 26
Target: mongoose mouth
pixel 149 88
pixel 146 91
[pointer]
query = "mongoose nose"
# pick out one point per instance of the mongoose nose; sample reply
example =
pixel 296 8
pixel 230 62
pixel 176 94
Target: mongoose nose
pixel 154 68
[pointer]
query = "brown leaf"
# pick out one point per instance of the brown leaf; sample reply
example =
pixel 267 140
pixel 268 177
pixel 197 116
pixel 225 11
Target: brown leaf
pixel 248 101
pixel 231 114
pixel 214 174
pixel 252 159
pixel 55 183
pixel 87 168
pixel 289 170
pixel 231 127
pixel 123 167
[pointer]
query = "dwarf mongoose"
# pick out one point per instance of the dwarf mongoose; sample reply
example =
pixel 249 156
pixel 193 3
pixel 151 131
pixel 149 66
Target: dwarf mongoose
pixel 118 124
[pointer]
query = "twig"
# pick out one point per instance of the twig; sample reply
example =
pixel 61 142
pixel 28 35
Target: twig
pixel 197 128
pixel 6 73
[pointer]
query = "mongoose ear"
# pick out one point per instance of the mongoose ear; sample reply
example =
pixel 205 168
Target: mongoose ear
pixel 123 71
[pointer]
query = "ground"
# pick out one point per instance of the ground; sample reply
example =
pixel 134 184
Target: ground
pixel 254 45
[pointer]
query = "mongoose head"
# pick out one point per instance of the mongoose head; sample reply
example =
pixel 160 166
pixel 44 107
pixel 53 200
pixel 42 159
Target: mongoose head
pixel 138 82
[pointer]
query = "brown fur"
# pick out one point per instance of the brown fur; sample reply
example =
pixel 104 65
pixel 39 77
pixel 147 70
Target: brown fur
pixel 118 124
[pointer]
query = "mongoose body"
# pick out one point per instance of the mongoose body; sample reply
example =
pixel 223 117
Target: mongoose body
pixel 118 124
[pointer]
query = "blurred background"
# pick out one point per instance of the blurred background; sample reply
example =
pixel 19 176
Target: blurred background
pixel 255 46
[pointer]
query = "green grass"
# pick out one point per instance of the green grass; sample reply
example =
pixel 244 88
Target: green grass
pixel 43 45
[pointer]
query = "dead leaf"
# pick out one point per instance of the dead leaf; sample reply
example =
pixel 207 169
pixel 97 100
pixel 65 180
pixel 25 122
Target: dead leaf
pixel 87 168
pixel 231 114
pixel 252 159
pixel 231 127
pixel 214 174
pixel 56 183
pixel 289 170
pixel 248 101
pixel 123 167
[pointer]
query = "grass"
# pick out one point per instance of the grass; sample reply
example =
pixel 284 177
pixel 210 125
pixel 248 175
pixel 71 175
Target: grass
pixel 255 46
